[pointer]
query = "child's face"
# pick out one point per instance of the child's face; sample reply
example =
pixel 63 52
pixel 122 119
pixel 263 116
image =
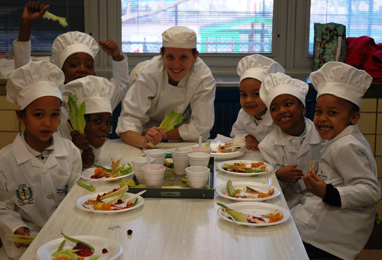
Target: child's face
pixel 250 99
pixel 97 128
pixel 41 119
pixel 332 115
pixel 288 113
pixel 78 65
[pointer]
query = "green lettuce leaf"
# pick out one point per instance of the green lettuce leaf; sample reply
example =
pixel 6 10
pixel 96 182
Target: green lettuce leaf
pixel 170 120
pixel 77 114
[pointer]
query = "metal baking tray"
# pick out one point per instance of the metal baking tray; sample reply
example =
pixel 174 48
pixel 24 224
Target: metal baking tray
pixel 180 190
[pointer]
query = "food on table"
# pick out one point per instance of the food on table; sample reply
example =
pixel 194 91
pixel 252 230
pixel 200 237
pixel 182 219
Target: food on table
pixel 237 144
pixel 246 167
pixel 271 217
pixel 81 250
pixel 89 187
pixel 247 193
pixel 115 171
pixel 21 239
pixel 230 189
pixel 168 162
pixel 110 200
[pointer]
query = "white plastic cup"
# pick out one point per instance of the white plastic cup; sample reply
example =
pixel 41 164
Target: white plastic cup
pixel 197 176
pixel 180 159
pixel 199 159
pixel 153 174
pixel 137 163
pixel 158 154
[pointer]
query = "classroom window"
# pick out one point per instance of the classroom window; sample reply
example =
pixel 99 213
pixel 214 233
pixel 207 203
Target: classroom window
pixel 222 26
pixel 43 31
pixel 360 17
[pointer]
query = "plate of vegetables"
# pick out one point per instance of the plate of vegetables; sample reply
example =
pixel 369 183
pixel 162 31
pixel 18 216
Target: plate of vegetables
pixel 247 191
pixel 114 201
pixel 245 167
pixel 253 214
pixel 100 173
pixel 76 247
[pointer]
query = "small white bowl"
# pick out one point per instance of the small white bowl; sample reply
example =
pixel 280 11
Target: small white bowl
pixel 199 159
pixel 153 175
pixel 197 176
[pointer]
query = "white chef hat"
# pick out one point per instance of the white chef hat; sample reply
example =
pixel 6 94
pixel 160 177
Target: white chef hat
pixel 34 80
pixel 179 37
pixel 95 91
pixel 276 84
pixel 257 67
pixel 341 80
pixel 72 42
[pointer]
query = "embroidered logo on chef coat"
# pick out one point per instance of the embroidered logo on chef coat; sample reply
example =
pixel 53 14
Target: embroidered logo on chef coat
pixel 24 195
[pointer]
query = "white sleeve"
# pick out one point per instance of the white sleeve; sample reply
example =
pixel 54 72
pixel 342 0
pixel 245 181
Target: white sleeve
pixel 136 104
pixel 203 115
pixel 360 184
pixel 120 80
pixel 21 53
pixel 238 128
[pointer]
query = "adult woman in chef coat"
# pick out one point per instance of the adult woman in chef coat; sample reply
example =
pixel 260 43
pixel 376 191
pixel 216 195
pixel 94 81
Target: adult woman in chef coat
pixel 177 79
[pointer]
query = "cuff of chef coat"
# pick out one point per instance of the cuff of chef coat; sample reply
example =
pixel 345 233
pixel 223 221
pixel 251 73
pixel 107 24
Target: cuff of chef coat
pixel 332 196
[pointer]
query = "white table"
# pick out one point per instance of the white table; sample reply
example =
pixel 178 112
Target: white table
pixel 174 228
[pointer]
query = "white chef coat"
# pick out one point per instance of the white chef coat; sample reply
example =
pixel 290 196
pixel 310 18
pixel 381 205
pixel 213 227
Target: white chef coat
pixel 279 152
pixel 31 188
pixel 347 163
pixel 120 80
pixel 151 97
pixel 246 125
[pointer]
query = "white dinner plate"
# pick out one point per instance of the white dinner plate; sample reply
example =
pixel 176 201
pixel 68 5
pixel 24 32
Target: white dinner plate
pixel 223 156
pixel 93 196
pixel 255 209
pixel 87 173
pixel 220 167
pixel 261 187
pixel 113 247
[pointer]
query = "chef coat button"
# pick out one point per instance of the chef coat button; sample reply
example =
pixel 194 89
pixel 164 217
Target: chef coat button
pixel 49 195
pixel 45 171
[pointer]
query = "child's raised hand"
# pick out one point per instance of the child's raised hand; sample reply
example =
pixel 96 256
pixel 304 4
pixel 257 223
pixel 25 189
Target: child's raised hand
pixel 111 48
pixel 251 143
pixel 34 11
pixel 80 140
pixel 289 174
pixel 24 231
pixel 315 184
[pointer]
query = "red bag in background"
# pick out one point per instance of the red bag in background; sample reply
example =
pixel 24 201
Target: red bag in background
pixel 364 53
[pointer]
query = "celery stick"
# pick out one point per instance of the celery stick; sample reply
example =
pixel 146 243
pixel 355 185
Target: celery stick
pixel 86 186
pixel 77 241
pixel 25 240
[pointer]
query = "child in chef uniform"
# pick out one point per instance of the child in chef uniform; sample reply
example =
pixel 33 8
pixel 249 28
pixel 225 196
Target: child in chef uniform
pixel 96 92
pixel 73 52
pixel 254 121
pixel 38 168
pixel 337 217
pixel 294 142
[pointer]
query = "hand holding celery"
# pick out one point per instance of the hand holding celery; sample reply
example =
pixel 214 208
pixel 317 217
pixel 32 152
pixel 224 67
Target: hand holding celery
pixel 169 122
pixel 25 240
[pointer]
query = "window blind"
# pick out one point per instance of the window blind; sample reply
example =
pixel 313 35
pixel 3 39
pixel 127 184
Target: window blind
pixel 222 26
pixel 43 31
pixel 360 17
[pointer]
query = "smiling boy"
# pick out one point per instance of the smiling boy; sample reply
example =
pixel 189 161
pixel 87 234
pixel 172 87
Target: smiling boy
pixel 337 217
